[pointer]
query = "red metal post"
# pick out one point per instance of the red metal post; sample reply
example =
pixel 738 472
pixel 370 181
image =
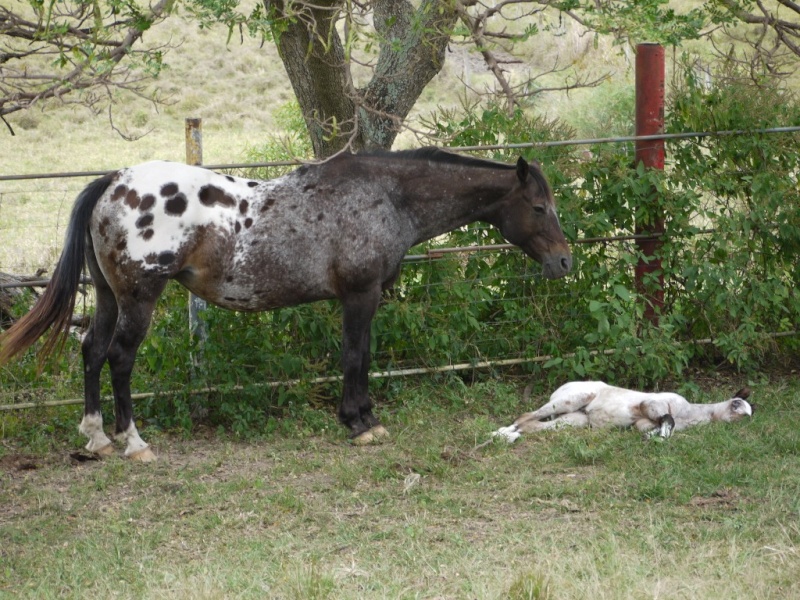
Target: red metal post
pixel 650 121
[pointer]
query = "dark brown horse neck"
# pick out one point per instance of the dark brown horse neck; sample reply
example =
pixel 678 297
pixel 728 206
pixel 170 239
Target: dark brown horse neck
pixel 440 191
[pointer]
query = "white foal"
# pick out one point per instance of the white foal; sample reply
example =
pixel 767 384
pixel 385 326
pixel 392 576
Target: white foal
pixel 596 404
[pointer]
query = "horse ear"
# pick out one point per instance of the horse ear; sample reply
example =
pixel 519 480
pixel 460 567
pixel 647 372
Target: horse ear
pixel 522 169
pixel 743 393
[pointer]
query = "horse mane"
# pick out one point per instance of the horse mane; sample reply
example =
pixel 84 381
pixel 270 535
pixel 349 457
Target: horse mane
pixel 445 157
pixel 437 155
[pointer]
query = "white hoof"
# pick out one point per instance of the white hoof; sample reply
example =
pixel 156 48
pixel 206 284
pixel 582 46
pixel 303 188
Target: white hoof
pixel 379 432
pixel 105 451
pixel 144 455
pixel 363 439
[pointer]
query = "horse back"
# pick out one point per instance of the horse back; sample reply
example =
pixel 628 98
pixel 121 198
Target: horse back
pixel 247 244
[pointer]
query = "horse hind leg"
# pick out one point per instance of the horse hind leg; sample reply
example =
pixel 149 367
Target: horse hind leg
pixel 557 405
pixel 94 349
pixel 572 419
pixel 132 324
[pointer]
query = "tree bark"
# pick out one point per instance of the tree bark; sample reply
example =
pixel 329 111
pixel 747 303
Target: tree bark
pixel 412 51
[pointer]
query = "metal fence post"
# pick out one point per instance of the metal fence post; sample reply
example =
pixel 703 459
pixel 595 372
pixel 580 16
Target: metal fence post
pixel 194 156
pixel 650 121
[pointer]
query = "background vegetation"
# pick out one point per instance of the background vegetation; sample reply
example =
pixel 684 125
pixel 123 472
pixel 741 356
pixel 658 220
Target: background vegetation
pixel 732 221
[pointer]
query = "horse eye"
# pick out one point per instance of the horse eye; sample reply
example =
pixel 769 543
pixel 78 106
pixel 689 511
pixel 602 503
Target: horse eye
pixel 538 209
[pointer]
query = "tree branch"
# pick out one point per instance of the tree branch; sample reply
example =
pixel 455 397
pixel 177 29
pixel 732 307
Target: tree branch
pixel 22 86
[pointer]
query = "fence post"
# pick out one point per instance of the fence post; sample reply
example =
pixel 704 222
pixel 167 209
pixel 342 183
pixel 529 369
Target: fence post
pixel 194 156
pixel 650 121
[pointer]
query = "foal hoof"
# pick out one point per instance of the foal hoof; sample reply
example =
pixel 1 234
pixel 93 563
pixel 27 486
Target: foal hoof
pixel 144 455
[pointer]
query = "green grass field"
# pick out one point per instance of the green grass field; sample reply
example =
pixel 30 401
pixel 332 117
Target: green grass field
pixel 711 513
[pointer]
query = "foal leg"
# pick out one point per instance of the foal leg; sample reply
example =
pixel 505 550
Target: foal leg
pixel 656 419
pixel 95 351
pixel 662 428
pixel 563 401
pixel 573 419
pixel 355 410
pixel 134 319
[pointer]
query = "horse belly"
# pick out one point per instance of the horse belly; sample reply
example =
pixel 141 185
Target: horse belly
pixel 243 291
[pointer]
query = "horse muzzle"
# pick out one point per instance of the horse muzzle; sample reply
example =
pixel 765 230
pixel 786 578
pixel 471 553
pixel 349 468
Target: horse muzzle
pixel 557 265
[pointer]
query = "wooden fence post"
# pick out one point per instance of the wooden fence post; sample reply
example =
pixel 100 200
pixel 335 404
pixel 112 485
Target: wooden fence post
pixel 650 121
pixel 194 156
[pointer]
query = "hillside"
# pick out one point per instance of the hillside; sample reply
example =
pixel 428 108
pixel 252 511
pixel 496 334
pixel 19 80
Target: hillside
pixel 236 88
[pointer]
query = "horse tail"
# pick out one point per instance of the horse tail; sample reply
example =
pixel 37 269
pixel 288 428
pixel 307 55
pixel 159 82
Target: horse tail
pixel 53 310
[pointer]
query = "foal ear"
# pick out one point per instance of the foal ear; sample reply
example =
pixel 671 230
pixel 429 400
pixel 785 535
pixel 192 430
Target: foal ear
pixel 522 169
pixel 743 393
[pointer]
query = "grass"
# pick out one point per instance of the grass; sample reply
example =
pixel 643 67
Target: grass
pixel 712 513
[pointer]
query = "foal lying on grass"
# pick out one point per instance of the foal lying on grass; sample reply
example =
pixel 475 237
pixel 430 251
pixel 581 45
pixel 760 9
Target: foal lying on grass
pixel 596 404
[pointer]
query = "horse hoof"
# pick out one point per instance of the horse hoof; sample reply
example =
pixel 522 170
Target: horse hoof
pixel 363 439
pixel 144 455
pixel 379 432
pixel 105 451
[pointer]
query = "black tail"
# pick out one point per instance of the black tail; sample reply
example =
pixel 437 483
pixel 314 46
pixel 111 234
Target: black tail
pixel 54 308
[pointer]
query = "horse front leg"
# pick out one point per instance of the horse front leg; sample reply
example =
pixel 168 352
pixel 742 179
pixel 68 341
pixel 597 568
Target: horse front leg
pixel 355 410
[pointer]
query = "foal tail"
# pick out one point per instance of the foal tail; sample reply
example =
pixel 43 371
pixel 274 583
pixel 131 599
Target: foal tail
pixel 54 308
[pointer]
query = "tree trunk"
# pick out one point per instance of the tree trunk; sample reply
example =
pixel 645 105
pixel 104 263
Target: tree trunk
pixel 412 51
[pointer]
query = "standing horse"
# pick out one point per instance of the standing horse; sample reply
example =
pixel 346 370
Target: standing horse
pixel 337 229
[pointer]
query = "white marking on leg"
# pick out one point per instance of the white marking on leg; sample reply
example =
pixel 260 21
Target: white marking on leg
pixel 509 434
pixel 653 433
pixel 133 443
pixel 92 427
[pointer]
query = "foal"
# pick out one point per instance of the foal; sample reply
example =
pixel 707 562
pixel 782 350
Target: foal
pixel 596 404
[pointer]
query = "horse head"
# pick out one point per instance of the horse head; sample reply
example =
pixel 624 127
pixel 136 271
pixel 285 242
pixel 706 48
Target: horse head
pixel 527 218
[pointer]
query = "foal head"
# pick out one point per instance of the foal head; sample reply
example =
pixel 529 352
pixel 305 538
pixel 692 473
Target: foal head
pixel 527 218
pixel 738 407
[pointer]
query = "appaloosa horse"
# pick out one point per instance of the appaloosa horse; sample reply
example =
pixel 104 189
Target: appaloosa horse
pixel 337 229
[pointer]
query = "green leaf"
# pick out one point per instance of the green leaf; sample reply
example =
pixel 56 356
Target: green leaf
pixel 622 292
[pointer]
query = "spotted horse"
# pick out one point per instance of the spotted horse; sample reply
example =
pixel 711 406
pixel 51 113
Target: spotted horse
pixel 336 229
